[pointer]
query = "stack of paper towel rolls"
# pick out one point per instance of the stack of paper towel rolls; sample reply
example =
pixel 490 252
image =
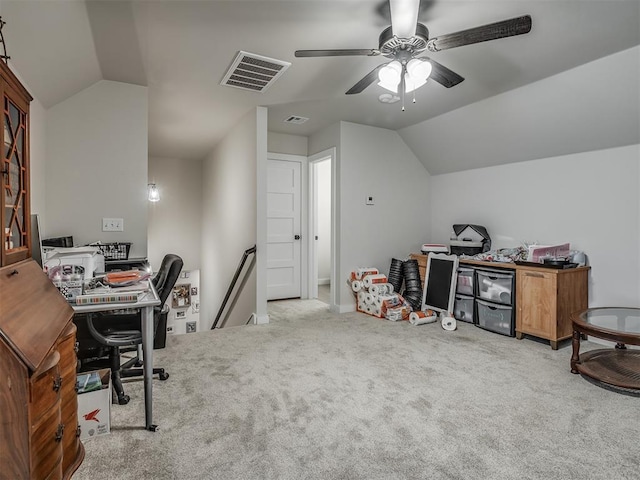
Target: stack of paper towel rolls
pixel 374 294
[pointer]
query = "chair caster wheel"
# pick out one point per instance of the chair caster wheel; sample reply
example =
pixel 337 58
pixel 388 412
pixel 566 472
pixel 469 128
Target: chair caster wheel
pixel 152 428
pixel 123 400
pixel 163 376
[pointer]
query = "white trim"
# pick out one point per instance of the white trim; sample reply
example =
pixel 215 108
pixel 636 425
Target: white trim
pixel 324 281
pixel 259 319
pixel 329 154
pixel 261 213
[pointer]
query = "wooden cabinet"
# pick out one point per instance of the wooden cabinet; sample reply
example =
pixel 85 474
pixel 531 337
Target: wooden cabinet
pixel 15 218
pixel 546 298
pixel 38 400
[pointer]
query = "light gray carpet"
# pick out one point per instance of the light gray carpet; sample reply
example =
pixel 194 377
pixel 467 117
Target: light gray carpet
pixel 314 395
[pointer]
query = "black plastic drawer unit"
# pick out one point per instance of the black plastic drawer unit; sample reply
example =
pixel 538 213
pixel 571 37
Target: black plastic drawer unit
pixel 495 317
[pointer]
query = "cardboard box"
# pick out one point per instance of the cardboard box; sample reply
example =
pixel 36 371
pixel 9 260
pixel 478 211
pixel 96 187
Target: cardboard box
pixel 94 403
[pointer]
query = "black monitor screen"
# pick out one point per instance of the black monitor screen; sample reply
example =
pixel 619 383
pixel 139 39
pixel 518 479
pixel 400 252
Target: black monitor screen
pixel 439 284
pixel 36 244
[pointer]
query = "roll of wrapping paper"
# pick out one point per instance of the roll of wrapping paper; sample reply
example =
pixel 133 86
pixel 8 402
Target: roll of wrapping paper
pixel 397 313
pixel 421 318
pixel 369 298
pixel 381 288
pixel 356 285
pixel 373 279
pixel 359 273
pixel 392 300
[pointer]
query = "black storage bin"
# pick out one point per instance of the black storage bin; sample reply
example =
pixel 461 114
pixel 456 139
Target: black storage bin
pixel 496 318
pixel 463 308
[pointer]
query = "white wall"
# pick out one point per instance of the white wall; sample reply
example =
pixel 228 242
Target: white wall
pixel 285 143
pixel 97 165
pixel 374 161
pixel 175 222
pixel 229 220
pixel 589 199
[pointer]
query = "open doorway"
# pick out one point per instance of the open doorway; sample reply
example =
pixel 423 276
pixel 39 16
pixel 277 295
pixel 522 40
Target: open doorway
pixel 321 227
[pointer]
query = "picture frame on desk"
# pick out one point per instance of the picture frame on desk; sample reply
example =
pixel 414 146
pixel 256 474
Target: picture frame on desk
pixel 181 295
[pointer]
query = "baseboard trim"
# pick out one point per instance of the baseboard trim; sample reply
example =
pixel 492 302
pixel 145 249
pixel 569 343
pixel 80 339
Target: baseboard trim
pixel 344 308
pixel 260 319
pixel 324 281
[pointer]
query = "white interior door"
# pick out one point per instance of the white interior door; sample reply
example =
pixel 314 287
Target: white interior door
pixel 283 229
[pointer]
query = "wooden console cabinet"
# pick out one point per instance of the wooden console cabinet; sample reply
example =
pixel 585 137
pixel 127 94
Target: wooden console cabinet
pixel 545 297
pixel 38 400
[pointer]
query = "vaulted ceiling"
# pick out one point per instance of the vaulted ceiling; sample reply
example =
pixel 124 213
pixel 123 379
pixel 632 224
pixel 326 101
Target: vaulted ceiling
pixel 181 49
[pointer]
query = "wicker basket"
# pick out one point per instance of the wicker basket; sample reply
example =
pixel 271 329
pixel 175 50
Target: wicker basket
pixel 114 251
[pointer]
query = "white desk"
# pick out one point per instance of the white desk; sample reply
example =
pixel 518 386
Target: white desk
pixel 145 304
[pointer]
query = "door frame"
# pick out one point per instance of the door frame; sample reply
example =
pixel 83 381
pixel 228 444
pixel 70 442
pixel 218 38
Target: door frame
pixel 312 277
pixel 304 196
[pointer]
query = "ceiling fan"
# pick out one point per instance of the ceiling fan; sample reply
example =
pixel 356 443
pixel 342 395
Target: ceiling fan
pixel 405 41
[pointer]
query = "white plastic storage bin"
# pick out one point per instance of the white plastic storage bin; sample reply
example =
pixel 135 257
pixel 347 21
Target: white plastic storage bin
pixel 495 286
pixel 463 308
pixel 464 283
pixel 496 318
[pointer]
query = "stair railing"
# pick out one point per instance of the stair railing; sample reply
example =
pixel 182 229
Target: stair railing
pixel 245 255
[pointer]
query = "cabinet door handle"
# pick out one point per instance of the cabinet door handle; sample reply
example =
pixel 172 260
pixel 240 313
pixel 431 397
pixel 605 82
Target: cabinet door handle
pixel 533 274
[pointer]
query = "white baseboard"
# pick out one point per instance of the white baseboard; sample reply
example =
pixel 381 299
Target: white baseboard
pixel 324 281
pixel 345 308
pixel 259 319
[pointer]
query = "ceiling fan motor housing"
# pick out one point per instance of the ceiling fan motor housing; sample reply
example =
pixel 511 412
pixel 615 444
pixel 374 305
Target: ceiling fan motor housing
pixel 389 45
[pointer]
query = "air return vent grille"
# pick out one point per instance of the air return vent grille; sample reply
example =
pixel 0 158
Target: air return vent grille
pixel 295 119
pixel 253 72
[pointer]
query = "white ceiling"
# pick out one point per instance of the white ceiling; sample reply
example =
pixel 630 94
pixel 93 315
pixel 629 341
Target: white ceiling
pixel 181 49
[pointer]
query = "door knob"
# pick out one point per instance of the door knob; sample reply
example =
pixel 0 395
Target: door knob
pixel 297 237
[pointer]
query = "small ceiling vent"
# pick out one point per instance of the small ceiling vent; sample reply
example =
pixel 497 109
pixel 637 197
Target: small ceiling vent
pixel 253 72
pixel 295 119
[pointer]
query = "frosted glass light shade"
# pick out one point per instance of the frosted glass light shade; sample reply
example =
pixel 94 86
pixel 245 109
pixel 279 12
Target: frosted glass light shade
pixel 154 193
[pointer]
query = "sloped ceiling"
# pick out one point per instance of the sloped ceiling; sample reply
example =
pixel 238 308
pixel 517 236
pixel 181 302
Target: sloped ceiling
pixel 181 49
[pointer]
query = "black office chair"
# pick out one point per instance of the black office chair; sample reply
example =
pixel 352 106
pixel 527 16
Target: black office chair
pixel 124 330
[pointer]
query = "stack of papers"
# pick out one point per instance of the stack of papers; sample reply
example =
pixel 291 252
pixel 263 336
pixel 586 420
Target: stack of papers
pixel 109 297
pixel 538 252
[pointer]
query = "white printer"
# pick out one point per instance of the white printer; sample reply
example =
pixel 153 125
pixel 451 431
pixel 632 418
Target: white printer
pixel 89 258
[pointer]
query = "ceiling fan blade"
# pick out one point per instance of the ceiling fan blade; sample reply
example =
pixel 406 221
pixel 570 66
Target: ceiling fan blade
pixel 442 75
pixel 493 31
pixel 367 80
pixel 404 17
pixel 371 52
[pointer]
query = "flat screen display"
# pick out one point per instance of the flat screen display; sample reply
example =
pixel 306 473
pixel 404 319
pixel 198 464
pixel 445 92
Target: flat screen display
pixel 36 243
pixel 440 282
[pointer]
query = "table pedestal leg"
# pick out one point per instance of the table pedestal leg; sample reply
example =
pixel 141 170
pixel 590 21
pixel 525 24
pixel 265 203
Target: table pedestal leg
pixel 575 356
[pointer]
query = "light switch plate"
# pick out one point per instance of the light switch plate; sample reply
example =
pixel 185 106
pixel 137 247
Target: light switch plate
pixel 113 224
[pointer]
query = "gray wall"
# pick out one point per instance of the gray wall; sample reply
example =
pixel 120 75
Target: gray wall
pixel 175 222
pixel 591 107
pixel 591 200
pixel 374 161
pixel 229 219
pixel 96 165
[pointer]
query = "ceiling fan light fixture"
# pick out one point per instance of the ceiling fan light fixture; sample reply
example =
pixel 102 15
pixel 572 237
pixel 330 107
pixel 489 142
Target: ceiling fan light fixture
pixel 416 75
pixel 404 17
pixel 389 76
pixel 419 69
